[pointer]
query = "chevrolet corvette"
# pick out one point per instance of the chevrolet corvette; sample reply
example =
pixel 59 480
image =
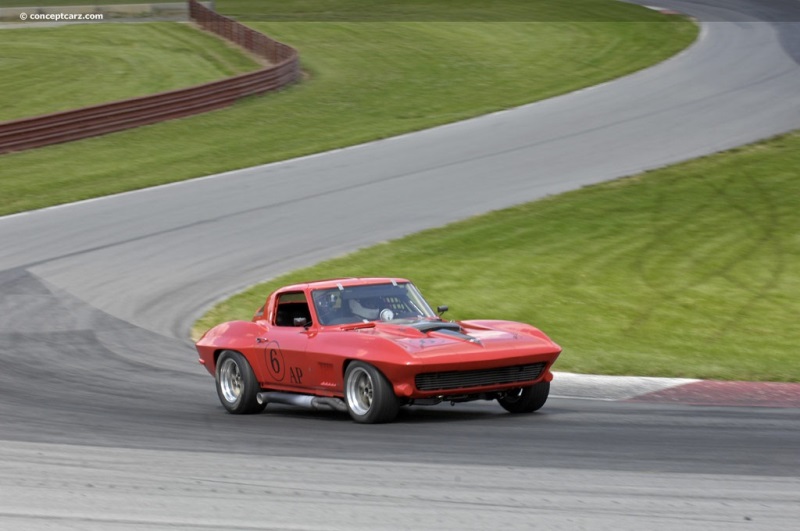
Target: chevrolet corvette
pixel 369 346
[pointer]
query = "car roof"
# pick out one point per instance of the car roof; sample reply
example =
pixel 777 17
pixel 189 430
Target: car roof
pixel 345 281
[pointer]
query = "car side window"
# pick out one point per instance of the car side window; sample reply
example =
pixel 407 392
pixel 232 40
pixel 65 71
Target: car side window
pixel 290 307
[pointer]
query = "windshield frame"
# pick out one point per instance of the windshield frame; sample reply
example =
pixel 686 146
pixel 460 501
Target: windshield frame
pixel 403 301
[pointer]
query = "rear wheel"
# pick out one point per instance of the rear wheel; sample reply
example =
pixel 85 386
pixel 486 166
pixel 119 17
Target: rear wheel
pixel 369 395
pixel 525 399
pixel 237 386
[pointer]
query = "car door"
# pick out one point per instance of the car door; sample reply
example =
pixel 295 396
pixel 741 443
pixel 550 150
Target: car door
pixel 285 348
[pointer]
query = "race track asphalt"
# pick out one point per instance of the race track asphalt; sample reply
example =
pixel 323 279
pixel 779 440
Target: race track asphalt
pixel 108 422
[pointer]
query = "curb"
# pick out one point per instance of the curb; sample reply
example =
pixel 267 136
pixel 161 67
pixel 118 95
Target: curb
pixel 675 390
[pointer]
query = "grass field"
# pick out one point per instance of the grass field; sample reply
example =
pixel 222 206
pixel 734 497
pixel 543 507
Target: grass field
pixel 395 10
pixel 365 80
pixel 687 271
pixel 431 10
pixel 86 64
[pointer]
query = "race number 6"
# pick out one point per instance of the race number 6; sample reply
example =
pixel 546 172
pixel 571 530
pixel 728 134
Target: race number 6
pixel 274 361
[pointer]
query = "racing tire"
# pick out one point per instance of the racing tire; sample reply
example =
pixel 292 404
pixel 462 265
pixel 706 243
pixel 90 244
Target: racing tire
pixel 525 399
pixel 237 386
pixel 368 394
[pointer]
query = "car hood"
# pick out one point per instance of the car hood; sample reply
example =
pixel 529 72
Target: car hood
pixel 429 338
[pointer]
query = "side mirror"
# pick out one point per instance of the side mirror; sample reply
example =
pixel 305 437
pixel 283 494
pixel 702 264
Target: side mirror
pixel 441 309
pixel 300 321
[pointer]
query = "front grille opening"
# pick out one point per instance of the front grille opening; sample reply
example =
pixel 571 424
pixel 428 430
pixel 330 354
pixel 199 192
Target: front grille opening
pixel 441 381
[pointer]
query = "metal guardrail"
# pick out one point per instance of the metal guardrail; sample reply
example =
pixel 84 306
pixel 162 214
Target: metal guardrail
pixel 38 131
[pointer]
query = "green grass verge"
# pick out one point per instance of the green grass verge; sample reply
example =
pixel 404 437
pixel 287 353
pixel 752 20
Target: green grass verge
pixel 432 10
pixel 396 10
pixel 79 65
pixel 366 80
pixel 687 271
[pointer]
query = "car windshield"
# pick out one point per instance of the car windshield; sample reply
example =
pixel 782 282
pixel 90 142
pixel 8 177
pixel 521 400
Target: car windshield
pixel 370 302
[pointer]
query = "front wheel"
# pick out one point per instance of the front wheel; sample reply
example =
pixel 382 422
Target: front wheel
pixel 237 386
pixel 525 399
pixel 369 395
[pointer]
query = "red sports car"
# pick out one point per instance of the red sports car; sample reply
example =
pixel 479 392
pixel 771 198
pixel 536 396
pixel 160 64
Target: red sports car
pixel 369 346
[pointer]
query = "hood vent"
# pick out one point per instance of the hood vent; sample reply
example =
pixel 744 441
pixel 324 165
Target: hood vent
pixel 445 327
pixel 436 326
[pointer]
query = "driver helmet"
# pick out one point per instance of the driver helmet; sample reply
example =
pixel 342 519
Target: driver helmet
pixel 364 310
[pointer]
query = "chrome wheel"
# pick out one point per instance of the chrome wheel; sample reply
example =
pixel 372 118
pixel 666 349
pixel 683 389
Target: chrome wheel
pixel 369 395
pixel 360 391
pixel 230 380
pixel 237 386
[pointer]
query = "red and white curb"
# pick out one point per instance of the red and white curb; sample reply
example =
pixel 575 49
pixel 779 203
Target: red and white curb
pixel 663 10
pixel 675 390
